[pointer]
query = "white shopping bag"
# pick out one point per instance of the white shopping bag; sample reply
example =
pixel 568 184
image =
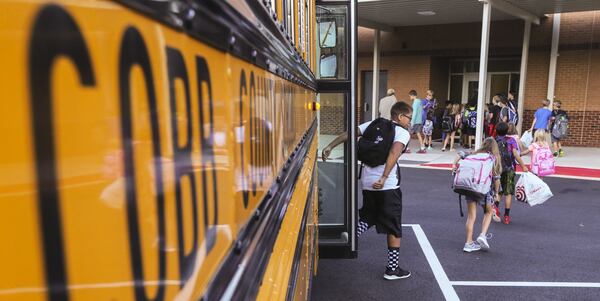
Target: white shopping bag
pixel 532 190
pixel 527 138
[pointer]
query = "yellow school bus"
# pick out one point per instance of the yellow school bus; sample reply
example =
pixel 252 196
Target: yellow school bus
pixel 158 150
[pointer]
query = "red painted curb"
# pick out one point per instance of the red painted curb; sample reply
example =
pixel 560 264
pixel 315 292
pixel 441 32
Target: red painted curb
pixel 560 170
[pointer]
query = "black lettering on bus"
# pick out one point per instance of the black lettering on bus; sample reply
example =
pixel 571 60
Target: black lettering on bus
pixel 133 52
pixel 54 34
pixel 243 92
pixel 208 156
pixel 183 162
pixel 260 129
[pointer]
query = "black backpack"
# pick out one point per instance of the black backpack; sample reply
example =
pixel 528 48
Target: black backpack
pixel 448 123
pixel 375 143
pixel 506 155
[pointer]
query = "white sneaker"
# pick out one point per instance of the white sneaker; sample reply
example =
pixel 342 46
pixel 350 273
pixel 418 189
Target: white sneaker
pixel 482 240
pixel 472 247
pixel 429 148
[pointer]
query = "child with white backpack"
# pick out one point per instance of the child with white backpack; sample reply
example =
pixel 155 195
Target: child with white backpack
pixel 477 177
pixel 542 160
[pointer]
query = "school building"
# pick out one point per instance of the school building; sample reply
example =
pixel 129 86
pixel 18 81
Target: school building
pixel 542 49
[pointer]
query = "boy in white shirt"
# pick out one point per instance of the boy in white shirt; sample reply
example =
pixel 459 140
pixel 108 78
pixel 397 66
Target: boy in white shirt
pixel 382 197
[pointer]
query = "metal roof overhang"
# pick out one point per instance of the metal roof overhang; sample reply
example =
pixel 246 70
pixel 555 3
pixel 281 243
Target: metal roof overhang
pixel 387 14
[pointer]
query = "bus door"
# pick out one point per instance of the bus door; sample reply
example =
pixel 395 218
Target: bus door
pixel 336 76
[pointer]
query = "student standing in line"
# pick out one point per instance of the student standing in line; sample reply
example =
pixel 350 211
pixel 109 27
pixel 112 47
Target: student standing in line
pixel 386 103
pixel 429 105
pixel 470 120
pixel 382 197
pixel 503 112
pixel 508 155
pixel 541 118
pixel 513 133
pixel 416 126
pixel 446 111
pixel 542 161
pixel 452 115
pixel 492 117
pixel 495 112
pixel 489 146
pixel 557 114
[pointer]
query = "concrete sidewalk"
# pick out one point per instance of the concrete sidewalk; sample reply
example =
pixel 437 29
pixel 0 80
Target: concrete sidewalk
pixel 577 162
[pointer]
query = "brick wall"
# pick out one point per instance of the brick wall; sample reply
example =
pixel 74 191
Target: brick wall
pixel 593 85
pixel 572 72
pixel 404 73
pixel 536 84
pixel 584 127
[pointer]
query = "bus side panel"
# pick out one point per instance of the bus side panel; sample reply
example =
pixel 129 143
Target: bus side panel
pixel 133 154
pixel 307 264
pixel 278 274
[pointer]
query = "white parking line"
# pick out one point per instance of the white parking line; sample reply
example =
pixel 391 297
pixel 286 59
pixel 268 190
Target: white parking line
pixel 526 284
pixel 447 286
pixel 436 266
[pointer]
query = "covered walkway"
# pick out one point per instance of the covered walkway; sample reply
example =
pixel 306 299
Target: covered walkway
pixel 419 34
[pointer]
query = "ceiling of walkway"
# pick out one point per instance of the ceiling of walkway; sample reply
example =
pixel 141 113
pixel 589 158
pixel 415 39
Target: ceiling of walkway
pixel 397 13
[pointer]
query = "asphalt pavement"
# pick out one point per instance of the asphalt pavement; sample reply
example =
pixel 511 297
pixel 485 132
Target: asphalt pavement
pixel 548 252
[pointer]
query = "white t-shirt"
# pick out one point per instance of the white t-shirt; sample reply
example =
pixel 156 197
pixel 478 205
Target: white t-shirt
pixel 371 174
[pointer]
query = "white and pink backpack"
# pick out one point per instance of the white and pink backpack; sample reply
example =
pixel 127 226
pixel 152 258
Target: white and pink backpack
pixel 542 161
pixel 474 175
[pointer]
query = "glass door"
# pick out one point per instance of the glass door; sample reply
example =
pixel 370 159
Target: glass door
pixel 367 92
pixel 470 87
pixel 336 75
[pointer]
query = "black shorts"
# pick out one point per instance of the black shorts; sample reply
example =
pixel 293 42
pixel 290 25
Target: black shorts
pixel 383 209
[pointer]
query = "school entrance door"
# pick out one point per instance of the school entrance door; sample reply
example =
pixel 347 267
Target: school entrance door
pixel 497 83
pixel 367 92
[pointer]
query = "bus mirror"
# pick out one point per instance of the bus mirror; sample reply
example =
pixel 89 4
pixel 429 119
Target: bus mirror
pixel 328 65
pixel 327 33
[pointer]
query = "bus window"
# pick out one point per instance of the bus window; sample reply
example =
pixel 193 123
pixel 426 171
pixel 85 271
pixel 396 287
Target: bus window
pixel 332 54
pixel 289 18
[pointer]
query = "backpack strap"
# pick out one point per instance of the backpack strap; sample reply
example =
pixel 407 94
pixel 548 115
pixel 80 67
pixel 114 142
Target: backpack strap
pixel 398 173
pixel 360 170
pixel 460 205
